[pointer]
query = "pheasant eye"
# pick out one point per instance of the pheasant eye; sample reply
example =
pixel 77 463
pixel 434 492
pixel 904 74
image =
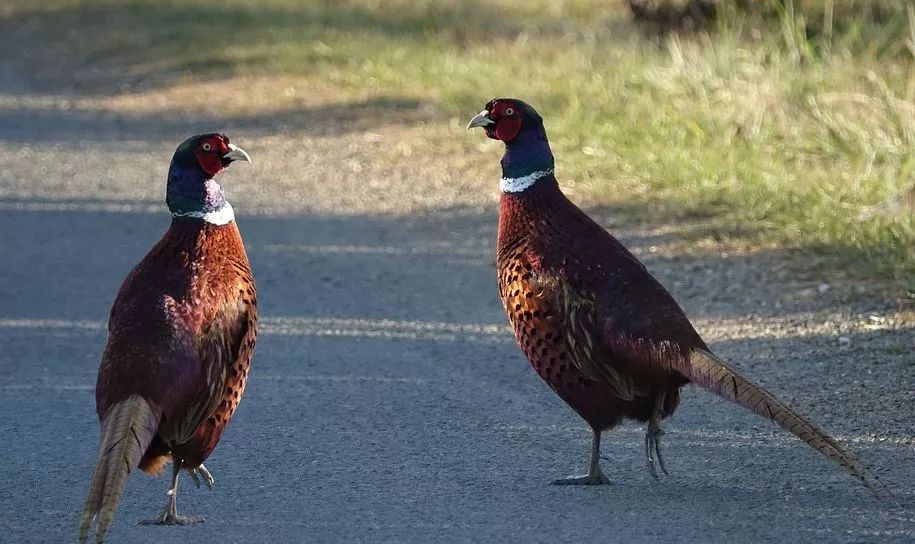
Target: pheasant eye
pixel 509 111
pixel 207 146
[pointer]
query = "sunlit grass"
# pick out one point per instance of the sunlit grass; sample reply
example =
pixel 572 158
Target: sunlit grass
pixel 784 128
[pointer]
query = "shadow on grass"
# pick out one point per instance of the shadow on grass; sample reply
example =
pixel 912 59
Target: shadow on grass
pixel 105 47
pixel 709 225
pixel 24 124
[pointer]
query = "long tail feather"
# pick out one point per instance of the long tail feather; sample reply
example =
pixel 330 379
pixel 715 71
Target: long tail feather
pixel 710 372
pixel 127 430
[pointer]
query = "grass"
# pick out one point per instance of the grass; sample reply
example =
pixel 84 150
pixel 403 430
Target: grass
pixel 783 128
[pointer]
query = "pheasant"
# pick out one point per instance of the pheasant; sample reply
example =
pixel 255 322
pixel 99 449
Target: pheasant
pixel 602 332
pixel 181 335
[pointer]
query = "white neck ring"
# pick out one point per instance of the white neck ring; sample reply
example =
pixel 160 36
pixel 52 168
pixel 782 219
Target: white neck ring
pixel 516 185
pixel 223 216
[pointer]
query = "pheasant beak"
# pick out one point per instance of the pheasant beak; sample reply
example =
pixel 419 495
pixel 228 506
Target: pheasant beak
pixel 480 120
pixel 236 154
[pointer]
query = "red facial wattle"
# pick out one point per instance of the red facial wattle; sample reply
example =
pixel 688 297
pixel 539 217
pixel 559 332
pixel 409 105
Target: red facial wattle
pixel 507 128
pixel 211 163
pixel 209 156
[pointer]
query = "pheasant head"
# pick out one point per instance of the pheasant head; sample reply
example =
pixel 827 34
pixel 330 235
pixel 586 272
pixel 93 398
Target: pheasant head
pixel 191 190
pixel 527 157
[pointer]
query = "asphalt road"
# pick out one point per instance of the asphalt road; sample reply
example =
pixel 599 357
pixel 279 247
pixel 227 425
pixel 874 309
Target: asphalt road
pixel 387 402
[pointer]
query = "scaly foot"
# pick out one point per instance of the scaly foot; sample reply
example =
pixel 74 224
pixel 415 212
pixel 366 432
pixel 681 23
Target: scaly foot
pixel 202 472
pixel 169 515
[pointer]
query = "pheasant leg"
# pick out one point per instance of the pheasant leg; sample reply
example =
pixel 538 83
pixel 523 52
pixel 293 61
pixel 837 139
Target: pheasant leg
pixel 169 515
pixel 653 439
pixel 595 475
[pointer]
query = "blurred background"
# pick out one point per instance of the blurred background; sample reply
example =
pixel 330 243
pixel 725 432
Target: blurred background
pixel 746 123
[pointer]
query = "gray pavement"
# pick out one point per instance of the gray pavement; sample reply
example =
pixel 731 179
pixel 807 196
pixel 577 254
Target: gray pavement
pixel 387 403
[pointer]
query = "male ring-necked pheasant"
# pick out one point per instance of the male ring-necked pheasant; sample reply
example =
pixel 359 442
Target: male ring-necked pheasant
pixel 180 338
pixel 596 326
